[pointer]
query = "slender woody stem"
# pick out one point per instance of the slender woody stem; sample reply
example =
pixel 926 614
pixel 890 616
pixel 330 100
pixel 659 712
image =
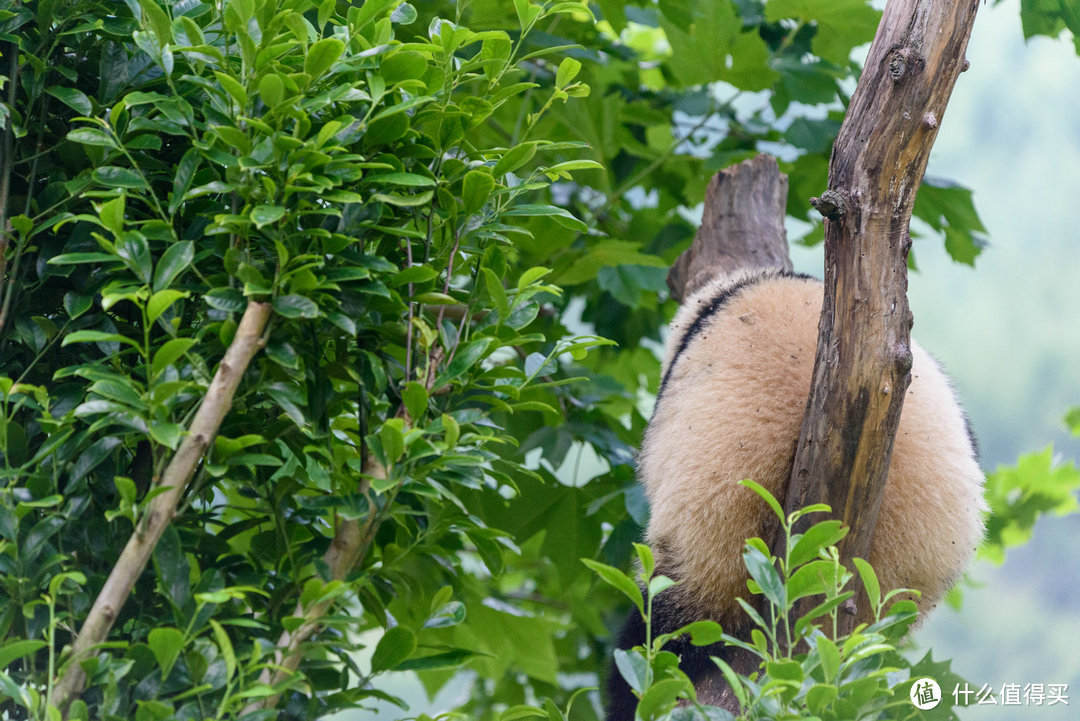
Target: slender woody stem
pixel 249 339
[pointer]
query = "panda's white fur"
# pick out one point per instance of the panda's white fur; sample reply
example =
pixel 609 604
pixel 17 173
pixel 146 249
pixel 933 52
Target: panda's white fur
pixel 736 378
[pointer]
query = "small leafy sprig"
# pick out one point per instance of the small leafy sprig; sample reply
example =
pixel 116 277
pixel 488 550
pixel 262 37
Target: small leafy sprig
pixel 805 670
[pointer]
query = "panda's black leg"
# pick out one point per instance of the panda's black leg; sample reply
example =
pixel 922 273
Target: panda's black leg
pixel 693 660
pixel 621 702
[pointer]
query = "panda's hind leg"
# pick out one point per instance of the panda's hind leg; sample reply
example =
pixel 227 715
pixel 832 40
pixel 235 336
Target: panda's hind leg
pixel 667 616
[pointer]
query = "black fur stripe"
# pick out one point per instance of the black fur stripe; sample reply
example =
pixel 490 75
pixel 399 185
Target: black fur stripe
pixel 708 310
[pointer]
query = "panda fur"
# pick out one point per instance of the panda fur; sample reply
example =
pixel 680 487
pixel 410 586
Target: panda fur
pixel 735 382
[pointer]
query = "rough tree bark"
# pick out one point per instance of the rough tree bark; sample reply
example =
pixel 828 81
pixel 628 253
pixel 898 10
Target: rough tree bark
pixel 863 356
pixel 742 228
pixel 863 362
pixel 204 426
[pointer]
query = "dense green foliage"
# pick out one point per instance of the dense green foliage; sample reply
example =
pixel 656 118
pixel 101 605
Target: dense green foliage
pixel 446 206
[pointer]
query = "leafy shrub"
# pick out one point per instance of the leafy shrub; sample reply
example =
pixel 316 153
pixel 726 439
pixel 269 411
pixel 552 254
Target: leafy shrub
pixel 805 669
pixel 279 175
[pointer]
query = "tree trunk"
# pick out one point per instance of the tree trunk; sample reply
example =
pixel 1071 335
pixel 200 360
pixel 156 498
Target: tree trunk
pixel 742 227
pixel 863 362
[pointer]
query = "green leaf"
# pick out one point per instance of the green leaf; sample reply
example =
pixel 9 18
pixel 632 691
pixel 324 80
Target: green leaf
pixel 785 670
pixel 134 250
pixel 829 655
pixel 870 582
pixel 74 99
pixel 157 21
pixel 561 216
pixel 841 24
pixel 819 697
pixel 476 188
pixel 632 285
pixel 810 579
pixel 266 214
pixel 514 158
pixel 416 399
pixel 963 247
pixel 115 177
pixel 435 298
pixel 766 576
pixel 452 430
pixel 633 668
pixel 818 536
pixel 532 275
pixel 766 496
pixel 16 649
pixel 404 14
pixel 659 584
pixel 415 274
pixel 703 36
pixel 618 580
pixel 495 51
pixel 160 301
pixel 176 258
pixel 407 179
pixel 437 661
pixel 75 304
pixel 703 633
pixel 166 644
pixel 126 488
pixel 169 353
pixel 661 697
pixel 646 559
pixel 226 647
pixel 465 358
pixel 95 336
pixel 1072 420
pixel 563 169
pixel 185 173
pixel 91 136
pixel 568 70
pixel 233 88
pixel 271 90
pixel 404 201
pixel 112 215
pixel 1018 495
pixel 295 306
pixel 497 292
pixel 526 12
pixel 321 55
pixel 227 299
pixel 81 258
pixel 392 439
pixel 403 65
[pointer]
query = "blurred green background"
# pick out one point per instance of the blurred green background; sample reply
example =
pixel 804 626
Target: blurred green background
pixel 1009 334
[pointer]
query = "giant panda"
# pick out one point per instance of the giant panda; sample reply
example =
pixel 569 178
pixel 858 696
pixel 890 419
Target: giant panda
pixel 734 385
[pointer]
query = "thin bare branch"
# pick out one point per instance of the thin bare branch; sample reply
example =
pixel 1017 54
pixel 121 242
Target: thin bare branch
pixel 162 508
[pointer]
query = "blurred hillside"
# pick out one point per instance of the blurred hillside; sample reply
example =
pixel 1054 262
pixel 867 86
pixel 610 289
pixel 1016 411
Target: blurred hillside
pixel 1009 333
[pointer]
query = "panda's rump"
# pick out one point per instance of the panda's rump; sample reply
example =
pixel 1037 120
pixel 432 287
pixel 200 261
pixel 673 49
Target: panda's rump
pixel 730 409
pixel 731 405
